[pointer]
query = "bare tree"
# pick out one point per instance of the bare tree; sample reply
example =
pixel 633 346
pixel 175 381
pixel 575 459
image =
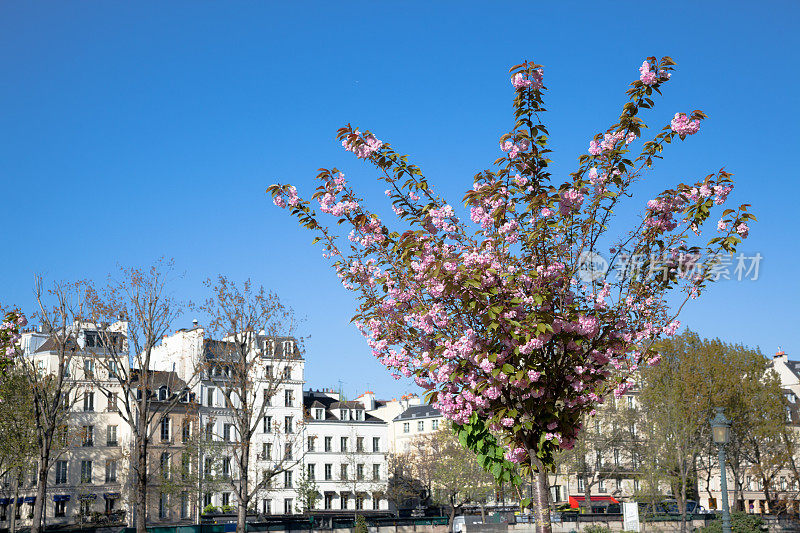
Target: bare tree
pixel 606 447
pixel 60 316
pixel 131 314
pixel 250 364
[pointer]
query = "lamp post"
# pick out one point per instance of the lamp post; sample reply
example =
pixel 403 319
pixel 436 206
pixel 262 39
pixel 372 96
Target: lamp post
pixel 721 433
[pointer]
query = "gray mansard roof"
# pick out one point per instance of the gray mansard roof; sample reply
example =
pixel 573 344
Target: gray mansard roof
pixel 418 411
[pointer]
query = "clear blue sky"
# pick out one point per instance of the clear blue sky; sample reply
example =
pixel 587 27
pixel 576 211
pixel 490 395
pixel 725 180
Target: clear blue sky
pixel 129 131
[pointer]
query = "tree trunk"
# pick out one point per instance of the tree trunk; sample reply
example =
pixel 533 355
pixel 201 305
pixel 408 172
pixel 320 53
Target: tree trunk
pixel 15 504
pixel 244 482
pixel 41 484
pixel 541 494
pixel 682 502
pixel 141 485
pixel 587 494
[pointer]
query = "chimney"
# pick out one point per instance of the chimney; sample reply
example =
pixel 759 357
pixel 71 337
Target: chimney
pixel 780 355
pixel 194 323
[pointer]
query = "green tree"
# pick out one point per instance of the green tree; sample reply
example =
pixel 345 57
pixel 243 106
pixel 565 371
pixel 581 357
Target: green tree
pixel 307 493
pixel 18 436
pixel 694 376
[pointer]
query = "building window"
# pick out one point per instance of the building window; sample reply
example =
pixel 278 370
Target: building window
pixel 328 444
pixel 208 471
pixel 343 499
pixel 88 401
pixel 359 414
pixel 267 398
pixel 376 502
pixel 267 424
pixel 376 444
pixel 287 479
pixel 184 505
pixel 319 414
pixel 328 500
pixel 421 425
pixel 164 464
pixel 266 451
pixel 287 506
pixel 376 472
pixel 359 471
pixel 111 435
pixel 343 472
pixel 210 397
pixel 343 442
pixel 226 432
pixel 288 425
pixel 636 484
pixel 311 474
pixel 226 467
pixel 162 393
pixel 165 429
pixel 88 368
pixel 406 427
pixel 342 414
pixel 601 485
pixel 359 501
pixel 61 472
pixel 310 442
pixel 186 466
pixel 287 373
pixel 86 471
pixel 359 444
pixel 287 451
pixel 288 398
pixel 267 506
pixel 111 471
pixel 112 401
pixel 616 457
pixel 206 499
pixel 629 399
pixel 163 506
pixel 210 431
pixel 328 472
pixel 581 485
pixel 60 508
pixel 434 425
pixel 88 436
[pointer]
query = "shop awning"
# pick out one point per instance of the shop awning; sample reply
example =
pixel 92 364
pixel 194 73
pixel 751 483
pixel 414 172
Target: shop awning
pixel 111 495
pixel 61 498
pixel 5 501
pixel 576 501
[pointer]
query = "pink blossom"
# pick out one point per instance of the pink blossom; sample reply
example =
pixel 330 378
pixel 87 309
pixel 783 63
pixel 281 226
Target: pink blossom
pixel 681 124
pixel 721 225
pixel 647 76
pixel 743 230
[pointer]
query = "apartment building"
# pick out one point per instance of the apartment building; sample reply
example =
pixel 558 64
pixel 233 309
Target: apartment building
pixel 346 450
pixel 270 375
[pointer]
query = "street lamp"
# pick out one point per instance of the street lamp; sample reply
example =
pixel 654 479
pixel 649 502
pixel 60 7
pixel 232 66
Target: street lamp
pixel 721 433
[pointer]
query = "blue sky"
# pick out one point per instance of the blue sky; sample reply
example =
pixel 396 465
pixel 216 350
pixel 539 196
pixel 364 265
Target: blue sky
pixel 130 131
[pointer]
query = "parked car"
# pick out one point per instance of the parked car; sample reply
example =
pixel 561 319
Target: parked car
pixel 670 505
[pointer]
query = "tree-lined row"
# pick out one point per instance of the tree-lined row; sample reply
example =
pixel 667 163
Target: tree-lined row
pixel 130 314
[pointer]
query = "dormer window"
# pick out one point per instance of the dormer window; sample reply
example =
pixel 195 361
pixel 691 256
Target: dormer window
pixel 359 414
pixel 288 348
pixel 162 393
pixel 342 414
pixel 319 414
pixel 269 347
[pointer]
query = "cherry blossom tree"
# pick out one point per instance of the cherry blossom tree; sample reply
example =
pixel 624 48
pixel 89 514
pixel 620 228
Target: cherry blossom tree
pixel 501 318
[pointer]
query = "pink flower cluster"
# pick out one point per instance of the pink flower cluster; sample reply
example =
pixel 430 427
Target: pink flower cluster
pixel 368 144
pixel 534 80
pixel 681 124
pixel 647 76
pixel 514 149
pixel 571 201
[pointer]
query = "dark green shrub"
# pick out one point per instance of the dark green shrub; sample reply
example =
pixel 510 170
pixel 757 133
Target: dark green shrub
pixel 740 523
